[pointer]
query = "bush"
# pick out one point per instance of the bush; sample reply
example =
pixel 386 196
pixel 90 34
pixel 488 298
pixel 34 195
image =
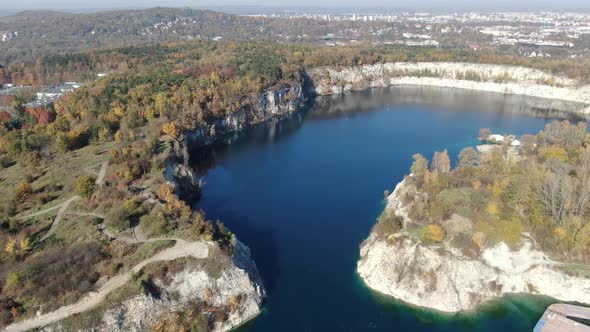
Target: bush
pixel 154 224
pixel 85 186
pixel 387 224
pixel 118 218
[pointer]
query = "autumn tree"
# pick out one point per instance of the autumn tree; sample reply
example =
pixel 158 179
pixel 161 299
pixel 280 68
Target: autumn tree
pixel 433 233
pixel 468 157
pixel 441 162
pixel 24 190
pixel 172 130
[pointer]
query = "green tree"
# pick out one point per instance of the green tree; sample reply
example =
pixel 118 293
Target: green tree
pixel 420 165
pixel 85 186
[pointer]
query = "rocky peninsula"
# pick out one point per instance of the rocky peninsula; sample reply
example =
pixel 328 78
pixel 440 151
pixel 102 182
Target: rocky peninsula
pixel 444 278
pixel 448 241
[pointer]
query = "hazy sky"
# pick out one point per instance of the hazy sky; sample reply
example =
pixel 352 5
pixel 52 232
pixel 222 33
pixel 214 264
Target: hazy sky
pixel 447 5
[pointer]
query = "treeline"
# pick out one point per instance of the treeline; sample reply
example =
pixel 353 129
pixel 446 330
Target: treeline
pixel 193 58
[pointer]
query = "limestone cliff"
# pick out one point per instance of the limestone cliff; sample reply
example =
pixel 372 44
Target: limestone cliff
pixel 443 278
pixel 483 77
pixel 229 284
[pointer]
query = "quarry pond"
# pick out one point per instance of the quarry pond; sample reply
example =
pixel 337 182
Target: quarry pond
pixel 304 192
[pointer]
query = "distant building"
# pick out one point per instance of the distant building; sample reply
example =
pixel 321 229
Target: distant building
pixel 58 91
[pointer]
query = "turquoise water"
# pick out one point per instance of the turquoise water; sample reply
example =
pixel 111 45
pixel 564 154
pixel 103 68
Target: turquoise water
pixel 304 192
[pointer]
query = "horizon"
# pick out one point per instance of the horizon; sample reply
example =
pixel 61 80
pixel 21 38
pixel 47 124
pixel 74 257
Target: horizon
pixel 443 6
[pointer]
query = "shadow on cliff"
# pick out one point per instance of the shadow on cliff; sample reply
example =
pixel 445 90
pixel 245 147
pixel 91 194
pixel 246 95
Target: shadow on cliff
pixel 262 242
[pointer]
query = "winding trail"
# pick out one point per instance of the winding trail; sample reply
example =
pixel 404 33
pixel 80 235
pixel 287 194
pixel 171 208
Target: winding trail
pixel 59 217
pixel 63 207
pixel 182 248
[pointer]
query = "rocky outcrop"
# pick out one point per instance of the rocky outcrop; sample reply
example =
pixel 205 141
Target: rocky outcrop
pixel 443 278
pixel 483 77
pixel 184 181
pixel 273 103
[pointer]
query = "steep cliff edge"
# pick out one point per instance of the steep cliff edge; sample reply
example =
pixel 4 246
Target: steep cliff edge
pixel 444 278
pixel 483 77
pixel 233 288
pixel 211 290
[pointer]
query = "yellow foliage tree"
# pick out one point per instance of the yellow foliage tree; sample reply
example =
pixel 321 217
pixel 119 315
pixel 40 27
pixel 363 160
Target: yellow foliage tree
pixel 493 209
pixel 433 233
pixel 10 246
pixel 553 152
pixel 118 136
pixel 171 129
pixel 25 245
pixel 166 193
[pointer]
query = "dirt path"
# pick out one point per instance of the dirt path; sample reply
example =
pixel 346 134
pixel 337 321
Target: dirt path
pixel 180 249
pixel 60 214
pixel 103 170
pixel 58 206
pixel 59 217
pixel 63 207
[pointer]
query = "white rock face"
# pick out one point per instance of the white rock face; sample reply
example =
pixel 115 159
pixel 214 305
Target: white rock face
pixel 483 77
pixel 240 278
pixel 444 279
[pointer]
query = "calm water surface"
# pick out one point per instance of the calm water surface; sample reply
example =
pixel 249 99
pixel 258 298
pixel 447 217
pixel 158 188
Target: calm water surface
pixel 304 192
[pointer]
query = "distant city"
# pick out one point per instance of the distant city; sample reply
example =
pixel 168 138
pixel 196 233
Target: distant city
pixel 534 29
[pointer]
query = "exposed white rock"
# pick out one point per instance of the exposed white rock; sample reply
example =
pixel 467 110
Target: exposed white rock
pixel 238 279
pixel 443 278
pixel 495 138
pixel 483 77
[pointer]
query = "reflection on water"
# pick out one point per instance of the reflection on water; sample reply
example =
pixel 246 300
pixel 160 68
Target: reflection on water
pixel 327 107
pixel 443 97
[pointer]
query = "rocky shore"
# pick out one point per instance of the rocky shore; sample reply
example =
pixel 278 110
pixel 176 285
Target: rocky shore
pixel 443 278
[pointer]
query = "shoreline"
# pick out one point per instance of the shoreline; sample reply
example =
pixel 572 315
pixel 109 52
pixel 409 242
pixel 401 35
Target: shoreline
pixel 442 278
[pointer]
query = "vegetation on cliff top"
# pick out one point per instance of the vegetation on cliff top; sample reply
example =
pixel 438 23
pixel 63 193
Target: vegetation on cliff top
pixel 541 187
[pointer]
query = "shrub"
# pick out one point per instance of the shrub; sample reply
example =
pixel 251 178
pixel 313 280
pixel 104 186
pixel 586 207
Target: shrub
pixel 85 186
pixel 24 190
pixel 55 272
pixel 118 218
pixel 154 223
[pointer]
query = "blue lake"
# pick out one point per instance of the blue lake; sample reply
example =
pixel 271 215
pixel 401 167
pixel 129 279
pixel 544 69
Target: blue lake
pixel 304 192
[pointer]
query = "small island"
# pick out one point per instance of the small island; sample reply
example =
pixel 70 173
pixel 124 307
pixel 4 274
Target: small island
pixel 511 217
